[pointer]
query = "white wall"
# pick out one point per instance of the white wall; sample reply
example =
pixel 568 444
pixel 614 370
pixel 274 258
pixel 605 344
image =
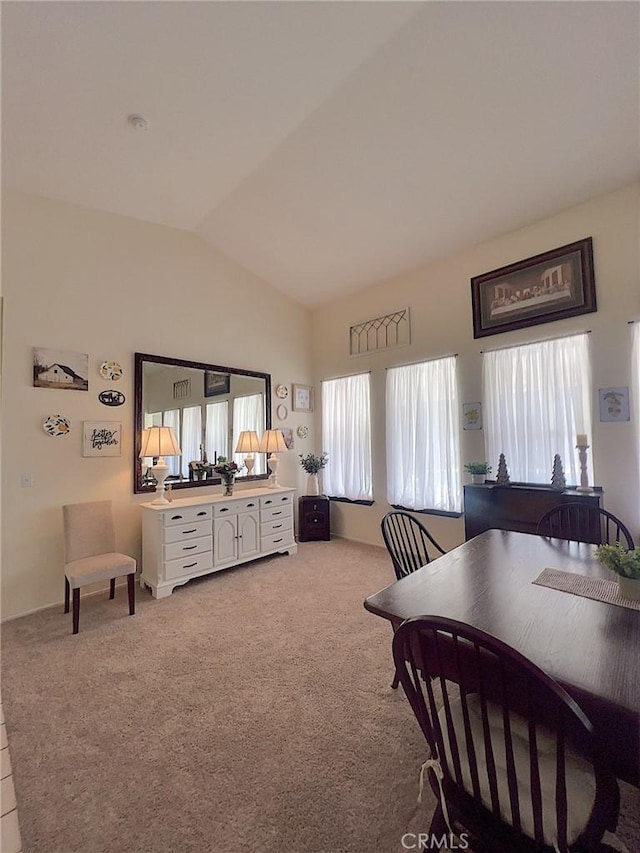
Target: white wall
pixel 109 286
pixel 439 297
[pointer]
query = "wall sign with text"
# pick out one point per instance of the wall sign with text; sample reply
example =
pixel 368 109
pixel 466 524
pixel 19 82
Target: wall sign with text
pixel 102 438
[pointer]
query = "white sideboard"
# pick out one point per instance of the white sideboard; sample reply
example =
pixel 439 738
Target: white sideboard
pixel 195 536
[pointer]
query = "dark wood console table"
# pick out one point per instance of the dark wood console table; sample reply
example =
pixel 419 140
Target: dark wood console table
pixel 516 507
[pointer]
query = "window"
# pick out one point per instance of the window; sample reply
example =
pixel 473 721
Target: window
pixel 248 413
pixel 216 430
pixel 191 444
pixel 423 446
pixel 537 399
pixel 171 419
pixel 346 431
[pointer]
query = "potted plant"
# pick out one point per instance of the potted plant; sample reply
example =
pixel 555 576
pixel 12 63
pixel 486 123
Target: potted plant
pixel 626 565
pixel 478 471
pixel 227 471
pixel 312 464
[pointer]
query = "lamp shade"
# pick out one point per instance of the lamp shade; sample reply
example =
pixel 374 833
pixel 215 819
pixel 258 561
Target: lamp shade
pixel 159 441
pixel 248 441
pixel 272 441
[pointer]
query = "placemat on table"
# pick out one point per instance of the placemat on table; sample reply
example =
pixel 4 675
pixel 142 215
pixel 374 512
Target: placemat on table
pixel 596 588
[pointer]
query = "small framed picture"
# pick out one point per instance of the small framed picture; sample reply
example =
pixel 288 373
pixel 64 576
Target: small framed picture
pixel 614 404
pixel 302 398
pixel 102 438
pixel 216 383
pixel 472 416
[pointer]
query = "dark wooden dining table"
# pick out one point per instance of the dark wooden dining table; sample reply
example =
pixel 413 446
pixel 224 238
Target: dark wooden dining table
pixel 590 647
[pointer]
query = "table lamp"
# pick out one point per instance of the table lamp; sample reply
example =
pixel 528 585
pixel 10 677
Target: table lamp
pixel 159 441
pixel 248 443
pixel 273 442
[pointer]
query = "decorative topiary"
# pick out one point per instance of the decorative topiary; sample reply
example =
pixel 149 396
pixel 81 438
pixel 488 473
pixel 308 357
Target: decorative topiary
pixel 502 477
pixel 558 480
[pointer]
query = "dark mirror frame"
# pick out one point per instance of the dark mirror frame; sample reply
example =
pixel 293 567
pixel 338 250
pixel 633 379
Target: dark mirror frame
pixel 138 416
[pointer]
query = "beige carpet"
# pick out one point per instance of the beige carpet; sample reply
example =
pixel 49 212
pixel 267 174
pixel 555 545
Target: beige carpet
pixel 251 710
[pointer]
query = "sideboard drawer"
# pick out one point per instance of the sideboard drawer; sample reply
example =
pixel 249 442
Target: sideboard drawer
pixel 276 525
pixel 186 547
pixel 178 532
pixel 187 515
pixel 188 566
pixel 275 501
pixel 274 513
pixel 277 540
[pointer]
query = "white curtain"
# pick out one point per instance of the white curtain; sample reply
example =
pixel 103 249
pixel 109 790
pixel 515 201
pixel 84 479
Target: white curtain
pixel 537 398
pixel 423 443
pixel 217 430
pixel 346 434
pixel 248 413
pixel 191 436
pixel 171 418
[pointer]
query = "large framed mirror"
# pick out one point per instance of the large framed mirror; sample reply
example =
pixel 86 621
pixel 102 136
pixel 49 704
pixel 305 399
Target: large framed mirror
pixel 208 406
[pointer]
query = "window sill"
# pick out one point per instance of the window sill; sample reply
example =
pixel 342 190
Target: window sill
pixel 441 512
pixel 349 501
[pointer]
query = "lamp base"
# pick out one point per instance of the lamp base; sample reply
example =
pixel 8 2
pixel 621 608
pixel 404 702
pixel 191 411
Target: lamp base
pixel 273 462
pixel 249 461
pixel 160 472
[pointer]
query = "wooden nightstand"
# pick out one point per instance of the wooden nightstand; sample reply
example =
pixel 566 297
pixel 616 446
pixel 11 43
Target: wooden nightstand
pixel 313 518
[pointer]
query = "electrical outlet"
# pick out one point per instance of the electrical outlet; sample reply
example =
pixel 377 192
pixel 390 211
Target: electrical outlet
pixel 26 481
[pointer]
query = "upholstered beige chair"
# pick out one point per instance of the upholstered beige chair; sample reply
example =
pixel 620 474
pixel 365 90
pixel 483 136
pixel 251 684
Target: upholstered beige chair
pixel 90 554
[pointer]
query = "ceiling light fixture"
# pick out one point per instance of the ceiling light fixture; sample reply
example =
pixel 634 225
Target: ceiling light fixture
pixel 138 122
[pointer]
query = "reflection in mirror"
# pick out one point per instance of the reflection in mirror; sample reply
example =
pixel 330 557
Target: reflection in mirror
pixel 208 407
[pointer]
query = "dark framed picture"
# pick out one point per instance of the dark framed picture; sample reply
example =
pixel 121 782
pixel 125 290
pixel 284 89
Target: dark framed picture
pixel 216 383
pixel 550 286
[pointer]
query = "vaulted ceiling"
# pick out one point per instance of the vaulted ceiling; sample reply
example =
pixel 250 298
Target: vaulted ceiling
pixel 323 145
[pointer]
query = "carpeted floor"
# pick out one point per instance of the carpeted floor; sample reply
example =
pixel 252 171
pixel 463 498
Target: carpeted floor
pixel 251 710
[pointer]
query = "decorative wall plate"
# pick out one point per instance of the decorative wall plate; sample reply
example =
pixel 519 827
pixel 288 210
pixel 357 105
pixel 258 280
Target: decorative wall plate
pixel 56 425
pixel 282 391
pixel 111 370
pixel 111 398
pixel 281 412
pixel 303 431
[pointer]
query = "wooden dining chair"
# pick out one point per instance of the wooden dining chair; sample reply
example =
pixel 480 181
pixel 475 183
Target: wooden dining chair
pixel 581 522
pixel 90 554
pixel 513 760
pixel 410 546
pixel 409 543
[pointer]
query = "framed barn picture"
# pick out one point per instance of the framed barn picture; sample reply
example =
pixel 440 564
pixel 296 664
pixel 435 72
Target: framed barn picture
pixel 61 369
pixel 550 286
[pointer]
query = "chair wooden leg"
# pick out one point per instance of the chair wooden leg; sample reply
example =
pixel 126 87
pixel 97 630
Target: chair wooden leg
pixel 67 589
pixel 131 589
pixel 76 610
pixel 112 588
pixel 396 681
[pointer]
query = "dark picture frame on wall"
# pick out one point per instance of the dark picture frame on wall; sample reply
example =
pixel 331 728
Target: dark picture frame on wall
pixel 216 383
pixel 547 287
